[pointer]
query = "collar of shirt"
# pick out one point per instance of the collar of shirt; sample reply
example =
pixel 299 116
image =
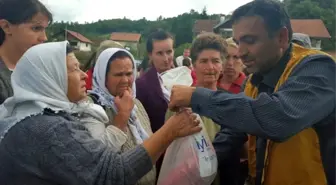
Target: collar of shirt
pixel 239 81
pixel 271 78
pixel 236 86
pixel 3 66
pixel 166 93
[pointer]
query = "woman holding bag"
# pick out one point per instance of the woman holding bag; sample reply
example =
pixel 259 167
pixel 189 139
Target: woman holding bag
pixel 208 52
pixel 42 140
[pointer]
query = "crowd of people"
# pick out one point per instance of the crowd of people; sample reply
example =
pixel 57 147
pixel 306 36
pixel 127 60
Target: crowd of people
pixel 266 99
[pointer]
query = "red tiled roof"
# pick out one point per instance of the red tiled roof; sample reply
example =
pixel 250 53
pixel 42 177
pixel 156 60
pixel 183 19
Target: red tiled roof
pixel 79 36
pixel 130 37
pixel 311 27
pixel 204 25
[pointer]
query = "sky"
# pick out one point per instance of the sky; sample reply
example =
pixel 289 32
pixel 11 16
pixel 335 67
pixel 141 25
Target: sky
pixel 92 10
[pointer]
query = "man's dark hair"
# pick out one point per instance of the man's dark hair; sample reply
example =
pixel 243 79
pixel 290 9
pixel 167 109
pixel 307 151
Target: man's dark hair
pixel 272 12
pixel 21 11
pixel 157 35
pixel 144 64
pixel 186 62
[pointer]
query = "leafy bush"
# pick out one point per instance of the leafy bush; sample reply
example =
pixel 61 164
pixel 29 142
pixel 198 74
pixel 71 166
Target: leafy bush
pixel 83 56
pixel 179 50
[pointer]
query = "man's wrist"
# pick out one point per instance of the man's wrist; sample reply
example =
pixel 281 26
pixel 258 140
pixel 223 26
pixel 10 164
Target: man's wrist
pixel 193 89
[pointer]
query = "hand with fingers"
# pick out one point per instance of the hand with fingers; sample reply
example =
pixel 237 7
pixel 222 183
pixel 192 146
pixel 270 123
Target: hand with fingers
pixel 124 105
pixel 183 123
pixel 180 97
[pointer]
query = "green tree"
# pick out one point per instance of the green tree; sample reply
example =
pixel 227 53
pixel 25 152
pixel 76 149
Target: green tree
pixel 180 26
pixel 179 50
pixel 315 9
pixel 204 14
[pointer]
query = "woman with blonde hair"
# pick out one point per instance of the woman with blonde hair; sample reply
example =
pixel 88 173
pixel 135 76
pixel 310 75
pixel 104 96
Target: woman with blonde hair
pixel 232 77
pixel 232 80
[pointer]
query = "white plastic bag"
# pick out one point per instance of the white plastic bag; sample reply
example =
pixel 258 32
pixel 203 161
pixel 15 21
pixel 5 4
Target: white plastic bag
pixel 189 160
pixel 177 76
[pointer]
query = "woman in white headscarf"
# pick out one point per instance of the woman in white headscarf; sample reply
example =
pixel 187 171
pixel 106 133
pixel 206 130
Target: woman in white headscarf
pixel 89 65
pixel 302 40
pixel 114 89
pixel 42 140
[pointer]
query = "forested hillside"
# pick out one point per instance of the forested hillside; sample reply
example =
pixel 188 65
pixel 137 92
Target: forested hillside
pixel 181 25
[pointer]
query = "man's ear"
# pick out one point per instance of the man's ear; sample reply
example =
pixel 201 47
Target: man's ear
pixel 5 26
pixel 283 37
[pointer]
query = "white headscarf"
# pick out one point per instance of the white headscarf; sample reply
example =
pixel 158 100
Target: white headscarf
pixel 106 99
pixel 303 38
pixel 40 81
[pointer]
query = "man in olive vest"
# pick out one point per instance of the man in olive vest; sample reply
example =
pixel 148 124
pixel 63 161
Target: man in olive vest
pixel 288 108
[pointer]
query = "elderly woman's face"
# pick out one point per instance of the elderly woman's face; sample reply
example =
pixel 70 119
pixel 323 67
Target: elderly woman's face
pixel 208 66
pixel 120 76
pixel 76 79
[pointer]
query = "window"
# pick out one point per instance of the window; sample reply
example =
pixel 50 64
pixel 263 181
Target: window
pixel 316 44
pixel 73 43
pixel 226 32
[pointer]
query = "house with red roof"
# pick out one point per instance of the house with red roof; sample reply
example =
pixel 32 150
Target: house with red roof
pixel 128 40
pixel 76 40
pixel 314 28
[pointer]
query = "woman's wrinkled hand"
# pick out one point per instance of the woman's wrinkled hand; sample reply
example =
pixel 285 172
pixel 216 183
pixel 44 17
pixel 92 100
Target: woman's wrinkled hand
pixel 125 102
pixel 183 123
pixel 124 105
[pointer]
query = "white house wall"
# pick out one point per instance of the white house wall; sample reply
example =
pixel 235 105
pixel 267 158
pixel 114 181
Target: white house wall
pixel 84 46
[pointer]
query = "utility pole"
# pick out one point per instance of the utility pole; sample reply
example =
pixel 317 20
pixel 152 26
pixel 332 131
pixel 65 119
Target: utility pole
pixel 66 32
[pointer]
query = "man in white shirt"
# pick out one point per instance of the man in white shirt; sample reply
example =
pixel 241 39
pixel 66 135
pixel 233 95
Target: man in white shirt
pixel 179 60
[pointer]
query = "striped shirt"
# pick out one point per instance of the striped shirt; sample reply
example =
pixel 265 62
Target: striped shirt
pixel 309 94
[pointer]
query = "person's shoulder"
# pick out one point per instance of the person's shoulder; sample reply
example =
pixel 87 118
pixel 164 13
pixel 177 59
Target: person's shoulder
pixel 141 79
pixel 47 122
pixel 141 83
pixel 320 59
pixel 139 105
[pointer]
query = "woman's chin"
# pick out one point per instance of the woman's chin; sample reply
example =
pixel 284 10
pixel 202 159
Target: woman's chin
pixel 210 80
pixel 121 90
pixel 80 98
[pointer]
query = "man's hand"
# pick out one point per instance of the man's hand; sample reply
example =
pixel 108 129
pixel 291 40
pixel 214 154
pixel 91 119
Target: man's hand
pixel 180 97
